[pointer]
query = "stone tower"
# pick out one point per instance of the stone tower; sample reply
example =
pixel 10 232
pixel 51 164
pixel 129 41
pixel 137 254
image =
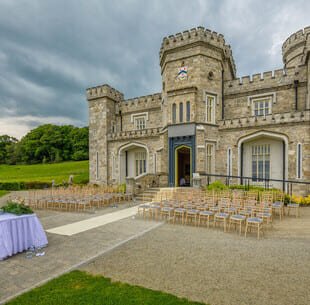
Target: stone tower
pixel 208 61
pixel 103 105
pixel 194 65
pixel 295 52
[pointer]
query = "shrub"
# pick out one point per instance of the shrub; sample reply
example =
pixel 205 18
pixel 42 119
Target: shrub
pixel 300 199
pixel 16 208
pixel 17 186
pixel 217 186
pixel 122 188
pixel 11 186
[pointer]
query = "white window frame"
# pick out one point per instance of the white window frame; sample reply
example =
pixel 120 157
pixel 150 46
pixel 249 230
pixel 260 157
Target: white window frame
pixel 299 161
pixel 254 99
pixel 212 111
pixel 137 116
pixel 261 147
pixel 140 163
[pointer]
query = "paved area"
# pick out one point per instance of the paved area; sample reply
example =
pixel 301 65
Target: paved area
pixel 65 253
pixel 218 268
pixel 94 222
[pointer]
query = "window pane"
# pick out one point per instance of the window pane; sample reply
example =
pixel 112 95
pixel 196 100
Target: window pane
pixel 254 169
pixel 174 113
pixel 181 113
pixel 210 104
pixel 267 169
pixel 188 111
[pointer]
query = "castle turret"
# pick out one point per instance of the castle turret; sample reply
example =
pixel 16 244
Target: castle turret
pixel 102 102
pixel 193 64
pixel 294 47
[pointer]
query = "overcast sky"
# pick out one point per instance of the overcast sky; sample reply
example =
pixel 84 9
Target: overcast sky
pixel 51 51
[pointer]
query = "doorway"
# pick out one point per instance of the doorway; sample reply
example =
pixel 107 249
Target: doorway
pixel 183 166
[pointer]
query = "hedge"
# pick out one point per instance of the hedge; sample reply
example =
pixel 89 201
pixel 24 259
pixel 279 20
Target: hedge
pixel 17 186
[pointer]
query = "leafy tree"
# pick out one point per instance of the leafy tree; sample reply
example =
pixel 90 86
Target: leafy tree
pixel 6 147
pixel 46 143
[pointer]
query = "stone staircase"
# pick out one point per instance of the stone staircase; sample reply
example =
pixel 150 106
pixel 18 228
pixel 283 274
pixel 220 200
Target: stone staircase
pixel 147 195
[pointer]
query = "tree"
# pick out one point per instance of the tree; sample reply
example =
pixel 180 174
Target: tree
pixel 6 147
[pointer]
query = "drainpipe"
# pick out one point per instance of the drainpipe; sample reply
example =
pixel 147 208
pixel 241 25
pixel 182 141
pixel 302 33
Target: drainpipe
pixel 121 117
pixel 296 93
pixel 223 111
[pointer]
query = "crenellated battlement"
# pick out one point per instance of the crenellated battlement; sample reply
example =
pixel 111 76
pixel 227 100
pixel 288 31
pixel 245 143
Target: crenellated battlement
pixel 141 102
pixel 263 80
pixel 104 91
pixel 293 47
pixel 195 35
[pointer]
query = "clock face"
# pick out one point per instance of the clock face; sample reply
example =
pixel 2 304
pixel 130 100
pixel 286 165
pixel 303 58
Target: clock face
pixel 182 73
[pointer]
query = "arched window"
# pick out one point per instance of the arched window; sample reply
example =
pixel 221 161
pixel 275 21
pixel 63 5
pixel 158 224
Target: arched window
pixel 188 111
pixel 299 161
pixel 174 113
pixel 181 113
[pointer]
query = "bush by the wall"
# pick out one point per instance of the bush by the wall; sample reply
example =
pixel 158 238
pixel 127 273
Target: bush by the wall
pixel 216 186
pixel 17 186
pixel 11 186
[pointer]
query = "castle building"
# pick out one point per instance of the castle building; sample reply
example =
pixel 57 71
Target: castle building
pixel 206 120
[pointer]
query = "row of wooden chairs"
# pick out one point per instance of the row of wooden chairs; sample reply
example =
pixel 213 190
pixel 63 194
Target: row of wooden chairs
pixel 188 215
pixel 75 198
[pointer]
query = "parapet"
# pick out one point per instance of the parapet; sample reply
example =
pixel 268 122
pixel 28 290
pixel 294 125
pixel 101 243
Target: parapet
pixel 294 47
pixel 195 35
pixel 265 80
pixel 141 103
pixel 104 91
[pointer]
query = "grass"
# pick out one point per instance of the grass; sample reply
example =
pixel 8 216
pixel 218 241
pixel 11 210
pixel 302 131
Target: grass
pixel 2 193
pixel 45 172
pixel 81 288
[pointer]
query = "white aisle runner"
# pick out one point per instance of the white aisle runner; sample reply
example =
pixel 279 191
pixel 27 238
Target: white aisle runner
pixel 91 223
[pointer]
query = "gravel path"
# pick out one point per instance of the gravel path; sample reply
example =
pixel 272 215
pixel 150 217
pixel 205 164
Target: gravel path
pixel 218 268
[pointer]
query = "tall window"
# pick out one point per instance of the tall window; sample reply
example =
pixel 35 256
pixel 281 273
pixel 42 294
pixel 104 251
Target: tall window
pixel 97 165
pixel 299 161
pixel 140 122
pixel 113 166
pixel 188 111
pixel 229 162
pixel 174 113
pixel 209 158
pixel 140 160
pixel 261 162
pixel 262 106
pixel 210 109
pixel 181 112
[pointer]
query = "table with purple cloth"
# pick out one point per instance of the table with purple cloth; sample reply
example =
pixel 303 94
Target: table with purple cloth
pixel 19 233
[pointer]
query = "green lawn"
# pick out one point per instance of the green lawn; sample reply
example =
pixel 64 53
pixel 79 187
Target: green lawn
pixel 45 172
pixel 80 288
pixel 2 193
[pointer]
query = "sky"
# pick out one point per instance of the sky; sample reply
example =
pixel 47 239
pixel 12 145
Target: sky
pixel 52 50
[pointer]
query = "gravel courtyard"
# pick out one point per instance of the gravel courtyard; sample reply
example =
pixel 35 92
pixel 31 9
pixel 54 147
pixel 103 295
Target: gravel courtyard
pixel 218 268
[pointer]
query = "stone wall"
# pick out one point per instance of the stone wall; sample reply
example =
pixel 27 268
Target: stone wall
pixel 211 70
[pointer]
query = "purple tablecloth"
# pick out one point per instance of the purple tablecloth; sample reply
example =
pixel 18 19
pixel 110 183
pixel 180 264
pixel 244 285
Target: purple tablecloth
pixel 19 233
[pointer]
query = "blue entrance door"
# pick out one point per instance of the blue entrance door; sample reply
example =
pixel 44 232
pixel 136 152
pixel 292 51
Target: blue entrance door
pixel 181 160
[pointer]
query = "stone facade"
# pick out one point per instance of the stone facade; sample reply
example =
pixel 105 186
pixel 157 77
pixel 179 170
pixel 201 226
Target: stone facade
pixel 206 120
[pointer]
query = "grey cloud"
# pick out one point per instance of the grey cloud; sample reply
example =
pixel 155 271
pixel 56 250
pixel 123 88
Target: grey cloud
pixel 52 50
